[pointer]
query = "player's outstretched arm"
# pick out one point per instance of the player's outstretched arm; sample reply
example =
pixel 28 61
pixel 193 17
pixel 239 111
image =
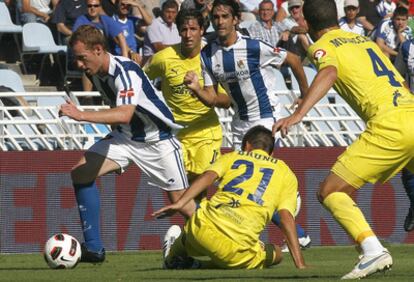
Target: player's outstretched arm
pixel 118 115
pixel 289 229
pixel 207 94
pixel 297 69
pixel 199 185
pixel 323 81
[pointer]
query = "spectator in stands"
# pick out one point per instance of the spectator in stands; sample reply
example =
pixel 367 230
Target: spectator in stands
pixel 266 28
pixel 129 25
pixel 110 28
pixel 163 30
pixel 296 39
pixel 66 13
pixel 350 22
pixel 204 6
pixel 35 10
pixel 143 126
pixel 368 15
pixel 109 7
pixel 386 8
pixel 392 32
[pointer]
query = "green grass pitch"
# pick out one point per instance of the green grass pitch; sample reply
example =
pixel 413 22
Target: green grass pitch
pixel 325 264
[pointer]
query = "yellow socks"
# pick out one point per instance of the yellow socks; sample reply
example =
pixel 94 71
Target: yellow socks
pixel 347 213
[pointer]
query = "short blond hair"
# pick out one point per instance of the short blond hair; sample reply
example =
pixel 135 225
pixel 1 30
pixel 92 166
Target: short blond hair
pixel 88 35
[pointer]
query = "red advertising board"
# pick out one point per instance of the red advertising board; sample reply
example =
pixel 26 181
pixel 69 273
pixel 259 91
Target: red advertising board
pixel 37 200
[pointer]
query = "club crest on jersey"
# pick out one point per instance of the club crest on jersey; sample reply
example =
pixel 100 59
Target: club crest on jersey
pixel 240 64
pixel 277 50
pixel 318 54
pixel 126 95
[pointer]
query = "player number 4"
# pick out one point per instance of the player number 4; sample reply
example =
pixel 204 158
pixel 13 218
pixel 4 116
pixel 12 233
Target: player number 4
pixel 380 68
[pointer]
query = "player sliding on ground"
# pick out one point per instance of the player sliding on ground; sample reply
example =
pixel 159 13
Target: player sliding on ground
pixel 367 80
pixel 253 185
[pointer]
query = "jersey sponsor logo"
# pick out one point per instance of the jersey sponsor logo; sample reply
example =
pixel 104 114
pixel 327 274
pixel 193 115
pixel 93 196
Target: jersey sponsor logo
pixel 318 54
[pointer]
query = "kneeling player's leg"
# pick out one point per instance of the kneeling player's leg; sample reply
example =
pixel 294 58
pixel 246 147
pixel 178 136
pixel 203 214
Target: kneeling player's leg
pixel 334 194
pixel 408 182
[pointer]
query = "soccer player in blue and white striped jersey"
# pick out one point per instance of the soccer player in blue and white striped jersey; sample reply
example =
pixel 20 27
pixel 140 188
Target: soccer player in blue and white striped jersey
pixel 143 133
pixel 243 66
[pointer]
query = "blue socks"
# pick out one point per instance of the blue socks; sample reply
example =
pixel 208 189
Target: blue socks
pixel 87 196
pixel 300 231
pixel 408 182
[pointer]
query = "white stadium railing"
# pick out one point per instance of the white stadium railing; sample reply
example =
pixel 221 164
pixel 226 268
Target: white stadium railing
pixel 37 125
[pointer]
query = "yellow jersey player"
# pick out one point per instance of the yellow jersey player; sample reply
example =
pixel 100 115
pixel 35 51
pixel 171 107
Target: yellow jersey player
pixel 202 135
pixel 253 185
pixel 367 80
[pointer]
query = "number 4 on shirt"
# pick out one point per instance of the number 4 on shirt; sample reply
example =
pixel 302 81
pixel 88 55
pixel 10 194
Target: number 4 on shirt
pixel 380 68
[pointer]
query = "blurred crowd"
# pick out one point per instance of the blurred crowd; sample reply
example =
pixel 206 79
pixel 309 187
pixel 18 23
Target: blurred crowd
pixel 139 28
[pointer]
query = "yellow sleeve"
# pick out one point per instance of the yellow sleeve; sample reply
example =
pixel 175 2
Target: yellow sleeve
pixel 322 56
pixel 222 165
pixel 221 90
pixel 156 68
pixel 288 195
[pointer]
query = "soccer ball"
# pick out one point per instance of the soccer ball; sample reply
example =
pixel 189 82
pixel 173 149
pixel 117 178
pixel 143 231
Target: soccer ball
pixel 62 251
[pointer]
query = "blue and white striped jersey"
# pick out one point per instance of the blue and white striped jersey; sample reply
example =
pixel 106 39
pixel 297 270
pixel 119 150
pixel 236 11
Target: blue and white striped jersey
pixel 405 62
pixel 387 32
pixel 357 28
pixel 126 83
pixel 245 72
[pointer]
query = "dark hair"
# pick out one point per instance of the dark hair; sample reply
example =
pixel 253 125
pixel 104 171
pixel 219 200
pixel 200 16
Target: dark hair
pixel 400 11
pixel 88 35
pixel 184 15
pixel 169 4
pixel 260 138
pixel 266 2
pixel 235 7
pixel 320 14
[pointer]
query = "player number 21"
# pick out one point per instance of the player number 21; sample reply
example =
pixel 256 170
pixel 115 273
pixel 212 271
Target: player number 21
pixel 380 68
pixel 248 173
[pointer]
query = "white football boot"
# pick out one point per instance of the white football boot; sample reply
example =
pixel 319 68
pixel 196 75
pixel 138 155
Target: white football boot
pixel 172 234
pixel 368 265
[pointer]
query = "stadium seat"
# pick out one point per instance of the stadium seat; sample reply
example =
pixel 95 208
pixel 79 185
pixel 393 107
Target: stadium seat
pixel 7 26
pixel 38 39
pixel 11 79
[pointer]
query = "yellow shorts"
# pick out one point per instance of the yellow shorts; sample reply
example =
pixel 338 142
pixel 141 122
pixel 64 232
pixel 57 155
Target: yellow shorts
pixel 201 147
pixel 381 151
pixel 202 238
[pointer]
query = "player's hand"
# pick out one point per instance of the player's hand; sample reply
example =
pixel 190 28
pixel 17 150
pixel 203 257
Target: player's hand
pixel 70 110
pixel 284 124
pixel 191 81
pixel 167 211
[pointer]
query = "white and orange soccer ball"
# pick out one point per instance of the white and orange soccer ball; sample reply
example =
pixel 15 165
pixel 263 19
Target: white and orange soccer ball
pixel 62 251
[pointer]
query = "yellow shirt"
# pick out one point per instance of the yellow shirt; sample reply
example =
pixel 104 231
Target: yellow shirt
pixel 171 66
pixel 366 78
pixel 253 185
